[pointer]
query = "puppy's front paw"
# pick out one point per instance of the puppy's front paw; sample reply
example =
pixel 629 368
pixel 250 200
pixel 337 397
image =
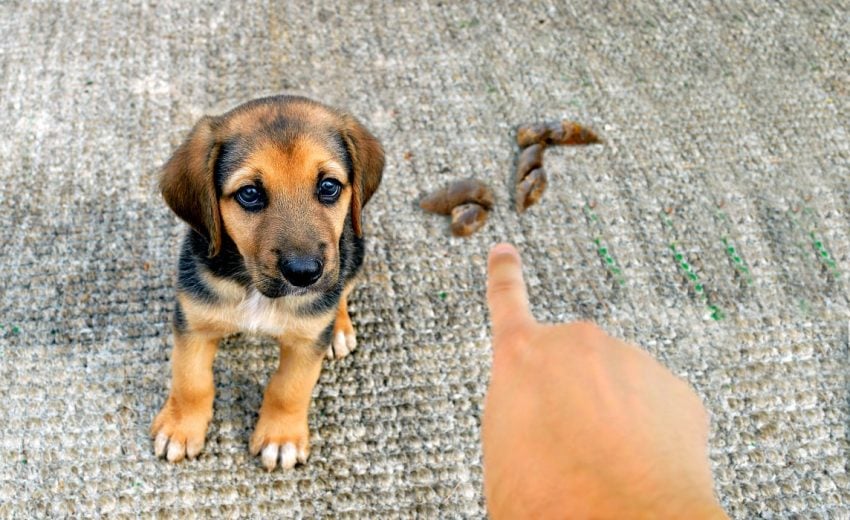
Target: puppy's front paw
pixel 178 432
pixel 279 438
pixel 344 340
pixel 342 345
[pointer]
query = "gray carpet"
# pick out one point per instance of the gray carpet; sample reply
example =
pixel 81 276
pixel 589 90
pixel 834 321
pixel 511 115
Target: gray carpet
pixel 725 127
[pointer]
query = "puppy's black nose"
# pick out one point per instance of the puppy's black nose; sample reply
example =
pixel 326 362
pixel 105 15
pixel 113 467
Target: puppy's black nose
pixel 302 271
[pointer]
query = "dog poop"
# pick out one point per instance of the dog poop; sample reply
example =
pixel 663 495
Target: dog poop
pixel 467 219
pixel 530 159
pixel 569 133
pixel 444 200
pixel 532 134
pixel 530 189
pixel 533 139
pixel 468 201
pixel 564 132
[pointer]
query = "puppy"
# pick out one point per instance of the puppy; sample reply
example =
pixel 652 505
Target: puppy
pixel 273 192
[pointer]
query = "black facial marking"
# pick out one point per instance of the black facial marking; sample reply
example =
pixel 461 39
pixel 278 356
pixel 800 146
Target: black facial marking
pixel 325 337
pixel 231 155
pixel 351 252
pixel 284 127
pixel 323 302
pixel 352 249
pixel 227 264
pixel 188 269
pixel 344 154
pixel 179 318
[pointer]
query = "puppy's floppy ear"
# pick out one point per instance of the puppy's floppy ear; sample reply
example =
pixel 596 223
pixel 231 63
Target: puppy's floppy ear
pixel 187 183
pixel 367 162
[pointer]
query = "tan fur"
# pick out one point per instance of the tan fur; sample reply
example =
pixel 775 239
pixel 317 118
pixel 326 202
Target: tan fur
pixel 289 176
pixel 283 416
pixel 368 160
pixel 231 317
pixel 187 186
pixel 188 410
pixel 343 320
pixel 293 221
pixel 249 121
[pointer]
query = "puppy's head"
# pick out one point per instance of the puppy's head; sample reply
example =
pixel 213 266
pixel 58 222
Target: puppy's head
pixel 279 178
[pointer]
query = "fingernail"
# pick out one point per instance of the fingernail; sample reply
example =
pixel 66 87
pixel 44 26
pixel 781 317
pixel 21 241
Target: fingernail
pixel 503 249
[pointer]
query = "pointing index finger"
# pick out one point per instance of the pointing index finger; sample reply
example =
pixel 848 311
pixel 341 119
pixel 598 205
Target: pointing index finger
pixel 506 292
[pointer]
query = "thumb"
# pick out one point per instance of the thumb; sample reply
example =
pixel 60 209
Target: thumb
pixel 506 293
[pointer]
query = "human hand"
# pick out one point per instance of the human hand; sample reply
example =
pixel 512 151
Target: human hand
pixel 578 424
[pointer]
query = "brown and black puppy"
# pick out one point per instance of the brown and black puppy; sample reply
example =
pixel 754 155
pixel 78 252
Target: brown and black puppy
pixel 273 191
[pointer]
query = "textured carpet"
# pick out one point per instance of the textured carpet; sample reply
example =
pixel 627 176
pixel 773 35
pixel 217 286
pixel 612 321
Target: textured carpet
pixel 711 228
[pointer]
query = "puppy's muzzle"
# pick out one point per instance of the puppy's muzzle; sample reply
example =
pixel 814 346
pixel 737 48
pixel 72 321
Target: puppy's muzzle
pixel 302 271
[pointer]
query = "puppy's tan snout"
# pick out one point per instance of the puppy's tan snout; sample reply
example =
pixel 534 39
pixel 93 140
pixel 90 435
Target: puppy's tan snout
pixel 302 271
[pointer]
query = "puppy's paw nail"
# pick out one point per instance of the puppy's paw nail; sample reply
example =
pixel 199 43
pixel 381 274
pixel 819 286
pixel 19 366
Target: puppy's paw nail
pixel 193 448
pixel 303 455
pixel 340 346
pixel 269 456
pixel 176 451
pixel 343 345
pixel 160 444
pixel 330 352
pixel 288 456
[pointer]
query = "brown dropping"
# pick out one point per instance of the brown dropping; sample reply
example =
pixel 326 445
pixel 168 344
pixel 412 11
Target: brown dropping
pixel 530 134
pixel 467 219
pixel 567 132
pixel 530 158
pixel 530 189
pixel 460 192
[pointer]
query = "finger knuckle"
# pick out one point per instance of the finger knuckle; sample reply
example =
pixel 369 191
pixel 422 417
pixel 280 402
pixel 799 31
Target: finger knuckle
pixel 501 287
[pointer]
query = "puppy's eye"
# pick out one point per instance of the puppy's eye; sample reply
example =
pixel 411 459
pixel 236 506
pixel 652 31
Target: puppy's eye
pixel 251 198
pixel 329 190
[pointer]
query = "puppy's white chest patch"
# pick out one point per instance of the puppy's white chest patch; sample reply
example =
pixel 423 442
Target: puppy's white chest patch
pixel 260 315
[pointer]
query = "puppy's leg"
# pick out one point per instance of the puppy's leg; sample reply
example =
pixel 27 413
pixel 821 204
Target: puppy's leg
pixel 344 339
pixel 181 426
pixel 282 433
